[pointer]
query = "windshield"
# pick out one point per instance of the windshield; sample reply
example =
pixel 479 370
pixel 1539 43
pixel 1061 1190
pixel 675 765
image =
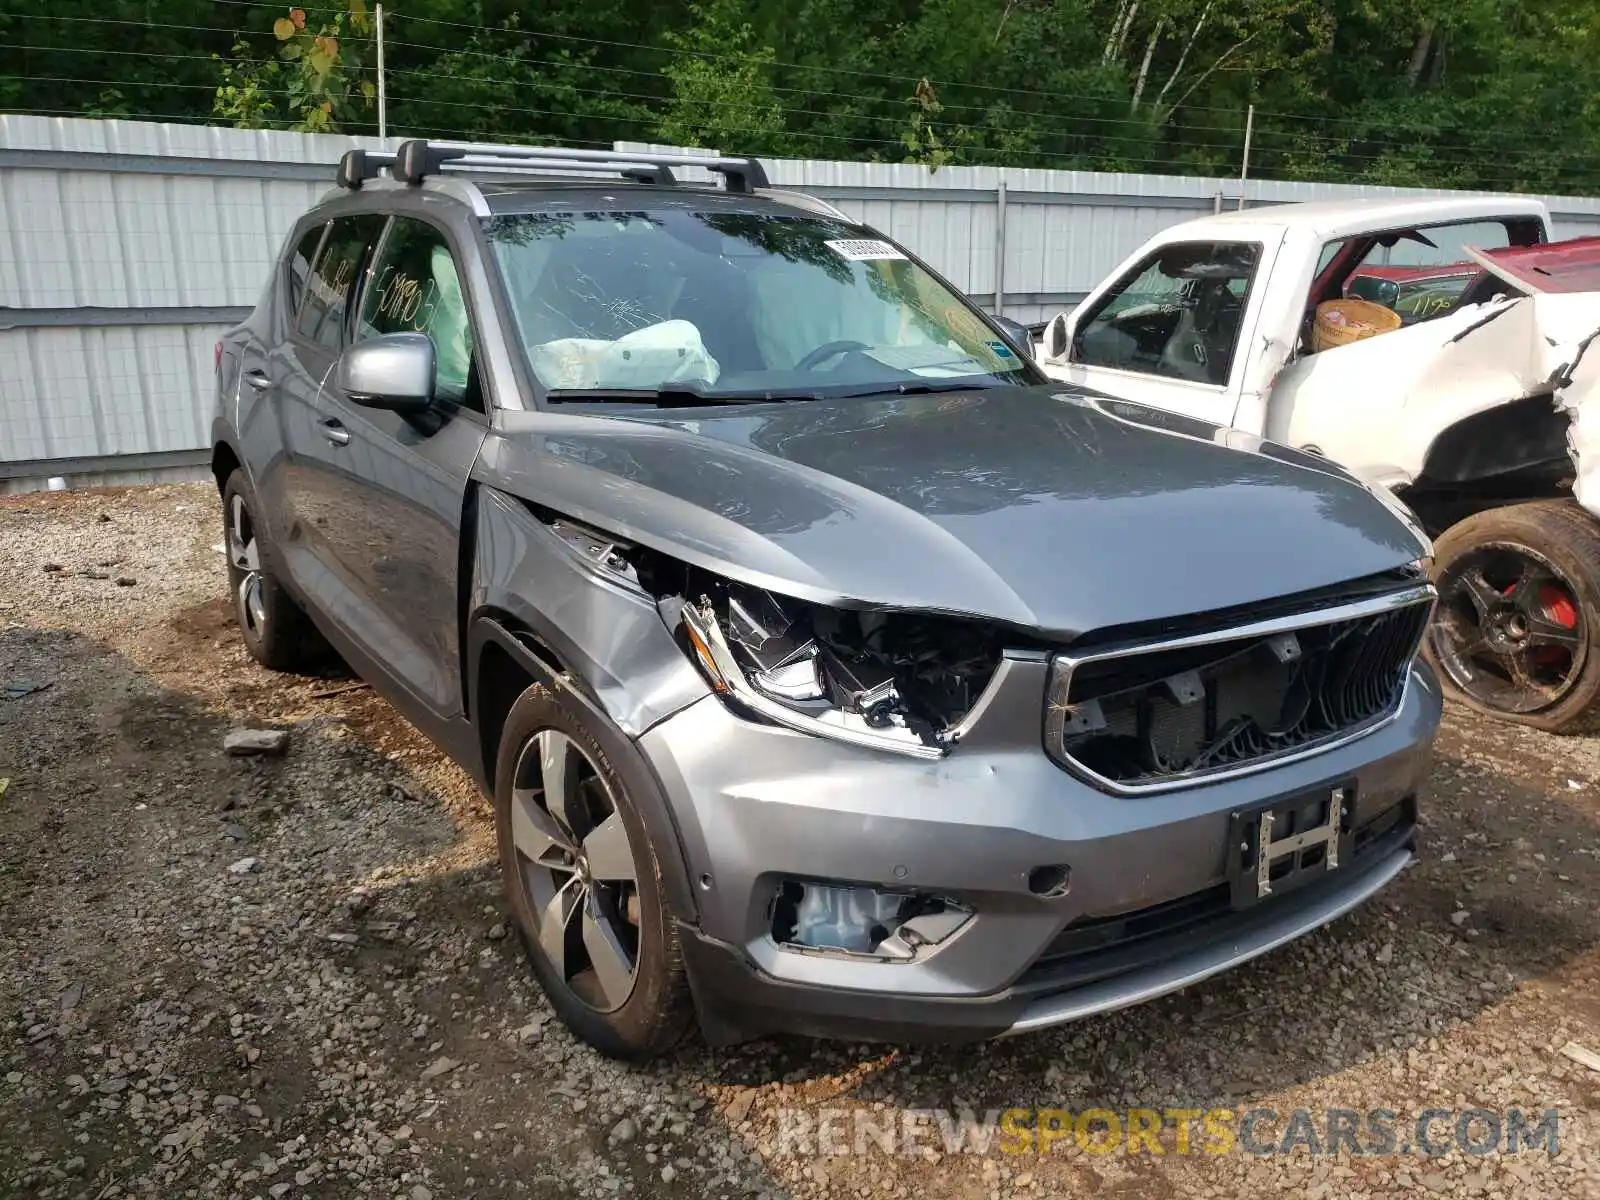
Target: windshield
pixel 732 303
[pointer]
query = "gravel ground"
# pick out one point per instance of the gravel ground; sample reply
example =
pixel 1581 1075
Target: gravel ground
pixel 289 976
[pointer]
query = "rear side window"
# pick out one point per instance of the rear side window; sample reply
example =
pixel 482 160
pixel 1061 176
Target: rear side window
pixel 305 253
pixel 328 288
pixel 1423 273
pixel 414 287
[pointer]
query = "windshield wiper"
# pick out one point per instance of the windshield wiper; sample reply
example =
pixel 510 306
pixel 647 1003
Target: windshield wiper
pixel 667 397
pixel 925 389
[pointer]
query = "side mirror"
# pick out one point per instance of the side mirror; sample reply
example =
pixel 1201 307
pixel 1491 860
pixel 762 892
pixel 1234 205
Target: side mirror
pixel 1380 291
pixel 1016 333
pixel 394 371
pixel 1058 338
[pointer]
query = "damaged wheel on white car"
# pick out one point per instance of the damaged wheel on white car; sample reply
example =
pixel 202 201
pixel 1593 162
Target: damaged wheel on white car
pixel 1516 633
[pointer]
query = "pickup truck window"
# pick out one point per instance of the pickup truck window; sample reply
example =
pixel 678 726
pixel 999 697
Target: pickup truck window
pixel 1418 273
pixel 1176 314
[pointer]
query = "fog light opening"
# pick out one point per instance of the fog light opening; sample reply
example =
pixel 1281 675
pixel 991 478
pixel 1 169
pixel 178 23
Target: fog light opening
pixel 862 921
pixel 1050 882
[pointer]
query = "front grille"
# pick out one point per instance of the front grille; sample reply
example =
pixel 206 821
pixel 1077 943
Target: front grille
pixel 1145 717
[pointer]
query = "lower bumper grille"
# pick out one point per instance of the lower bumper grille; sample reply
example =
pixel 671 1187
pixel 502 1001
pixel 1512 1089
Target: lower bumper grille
pixel 1151 716
pixel 1094 948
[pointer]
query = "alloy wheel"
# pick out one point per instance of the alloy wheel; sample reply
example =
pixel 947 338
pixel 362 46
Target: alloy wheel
pixel 575 867
pixel 1508 630
pixel 245 555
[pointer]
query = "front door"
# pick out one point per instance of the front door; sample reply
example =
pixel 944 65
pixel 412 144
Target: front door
pixel 401 481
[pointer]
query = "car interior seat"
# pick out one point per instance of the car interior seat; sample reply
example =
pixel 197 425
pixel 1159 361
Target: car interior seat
pixel 1186 354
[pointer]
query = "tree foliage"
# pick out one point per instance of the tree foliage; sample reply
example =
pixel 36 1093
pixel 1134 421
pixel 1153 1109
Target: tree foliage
pixel 319 78
pixel 1496 94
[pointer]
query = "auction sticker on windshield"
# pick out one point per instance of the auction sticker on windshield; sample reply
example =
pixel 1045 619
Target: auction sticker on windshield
pixel 863 249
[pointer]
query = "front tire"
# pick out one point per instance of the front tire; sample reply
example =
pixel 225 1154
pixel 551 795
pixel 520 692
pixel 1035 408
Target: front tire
pixel 584 885
pixel 1516 633
pixel 276 631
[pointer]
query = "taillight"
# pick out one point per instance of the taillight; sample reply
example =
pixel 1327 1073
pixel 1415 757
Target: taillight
pixel 216 357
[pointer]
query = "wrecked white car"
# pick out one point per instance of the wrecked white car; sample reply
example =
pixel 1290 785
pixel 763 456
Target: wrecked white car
pixel 1435 347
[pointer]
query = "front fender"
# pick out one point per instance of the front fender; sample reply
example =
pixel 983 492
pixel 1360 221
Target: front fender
pixel 607 633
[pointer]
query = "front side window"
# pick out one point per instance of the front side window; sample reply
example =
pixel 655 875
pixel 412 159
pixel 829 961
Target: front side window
pixel 413 287
pixel 727 302
pixel 328 287
pixel 1176 314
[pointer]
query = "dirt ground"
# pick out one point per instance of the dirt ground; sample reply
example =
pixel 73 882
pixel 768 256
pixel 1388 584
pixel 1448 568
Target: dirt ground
pixel 291 977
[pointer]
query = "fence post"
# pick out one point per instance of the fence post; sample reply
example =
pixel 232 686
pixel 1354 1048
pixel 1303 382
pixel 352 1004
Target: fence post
pixel 1244 169
pixel 383 90
pixel 999 247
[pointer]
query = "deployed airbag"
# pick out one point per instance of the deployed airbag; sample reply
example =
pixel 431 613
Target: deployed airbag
pixel 668 352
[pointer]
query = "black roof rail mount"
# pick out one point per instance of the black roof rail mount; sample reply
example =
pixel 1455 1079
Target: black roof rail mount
pixel 357 166
pixel 418 158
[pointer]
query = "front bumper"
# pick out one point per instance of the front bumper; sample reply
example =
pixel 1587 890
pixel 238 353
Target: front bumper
pixel 755 805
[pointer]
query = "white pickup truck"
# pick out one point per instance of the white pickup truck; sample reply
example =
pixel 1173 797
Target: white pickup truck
pixel 1472 410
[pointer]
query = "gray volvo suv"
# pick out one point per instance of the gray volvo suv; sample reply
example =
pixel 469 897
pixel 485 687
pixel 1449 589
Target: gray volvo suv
pixel 831 671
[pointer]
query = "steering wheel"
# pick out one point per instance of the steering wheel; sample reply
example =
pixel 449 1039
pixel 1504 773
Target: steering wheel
pixel 828 350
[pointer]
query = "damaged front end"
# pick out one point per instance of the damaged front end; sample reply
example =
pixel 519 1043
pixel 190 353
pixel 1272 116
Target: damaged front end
pixel 885 680
pixel 1497 401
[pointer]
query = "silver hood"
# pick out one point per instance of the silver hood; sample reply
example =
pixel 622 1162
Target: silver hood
pixel 1043 508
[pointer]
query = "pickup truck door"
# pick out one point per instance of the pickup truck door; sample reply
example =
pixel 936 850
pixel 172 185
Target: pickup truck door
pixel 1174 327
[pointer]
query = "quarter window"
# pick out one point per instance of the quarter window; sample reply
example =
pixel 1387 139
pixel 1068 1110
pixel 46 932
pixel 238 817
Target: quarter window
pixel 300 266
pixel 1176 314
pixel 414 287
pixel 329 285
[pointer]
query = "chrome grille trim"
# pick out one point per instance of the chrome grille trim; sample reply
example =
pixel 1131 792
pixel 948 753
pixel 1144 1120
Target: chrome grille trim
pixel 1064 665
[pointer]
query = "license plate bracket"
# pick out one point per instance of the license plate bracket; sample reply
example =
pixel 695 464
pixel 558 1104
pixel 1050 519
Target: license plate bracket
pixel 1288 843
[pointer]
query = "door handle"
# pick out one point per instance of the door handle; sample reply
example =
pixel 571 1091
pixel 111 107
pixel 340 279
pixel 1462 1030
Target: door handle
pixel 333 429
pixel 258 379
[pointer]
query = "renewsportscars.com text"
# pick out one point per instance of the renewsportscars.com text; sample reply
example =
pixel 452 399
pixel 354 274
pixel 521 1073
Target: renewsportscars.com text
pixel 1216 1131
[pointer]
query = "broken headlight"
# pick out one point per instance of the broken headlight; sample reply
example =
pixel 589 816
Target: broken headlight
pixel 894 681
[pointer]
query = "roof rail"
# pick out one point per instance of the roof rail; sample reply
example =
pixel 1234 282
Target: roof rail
pixel 357 166
pixel 417 159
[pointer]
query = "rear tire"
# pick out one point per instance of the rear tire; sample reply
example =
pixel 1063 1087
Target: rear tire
pixel 276 630
pixel 1516 634
pixel 584 885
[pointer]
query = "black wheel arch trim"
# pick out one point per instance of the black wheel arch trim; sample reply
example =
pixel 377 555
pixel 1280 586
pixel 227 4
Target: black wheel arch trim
pixel 644 788
pixel 223 437
pixel 1522 434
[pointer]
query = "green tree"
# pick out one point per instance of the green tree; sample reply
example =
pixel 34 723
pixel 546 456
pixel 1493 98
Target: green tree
pixel 496 87
pixel 722 93
pixel 317 81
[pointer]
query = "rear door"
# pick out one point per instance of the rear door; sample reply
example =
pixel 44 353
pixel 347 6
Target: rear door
pixel 1173 328
pixel 253 369
pixel 309 502
pixel 398 483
